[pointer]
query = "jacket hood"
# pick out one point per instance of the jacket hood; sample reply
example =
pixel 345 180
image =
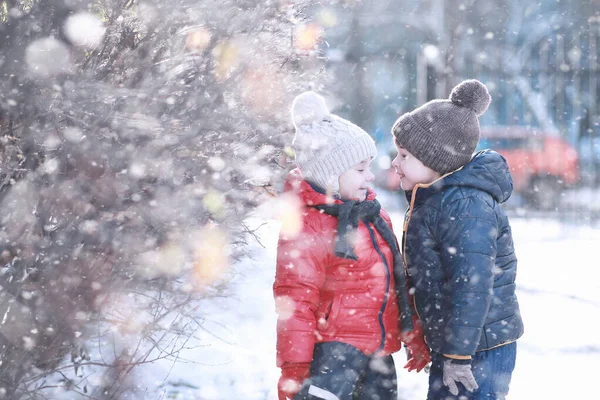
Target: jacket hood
pixel 312 195
pixel 487 171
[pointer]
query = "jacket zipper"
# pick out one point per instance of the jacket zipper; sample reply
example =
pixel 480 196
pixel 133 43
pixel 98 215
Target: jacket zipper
pixel 407 221
pixel 404 234
pixel 387 286
pixel 410 210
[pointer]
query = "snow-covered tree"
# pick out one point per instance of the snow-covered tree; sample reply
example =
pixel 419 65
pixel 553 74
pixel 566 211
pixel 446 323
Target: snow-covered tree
pixel 135 138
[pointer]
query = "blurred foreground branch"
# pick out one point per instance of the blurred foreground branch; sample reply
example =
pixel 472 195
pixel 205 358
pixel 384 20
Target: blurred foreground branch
pixel 132 136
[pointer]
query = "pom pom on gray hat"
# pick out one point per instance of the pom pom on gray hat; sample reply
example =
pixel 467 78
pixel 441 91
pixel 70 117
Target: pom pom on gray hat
pixel 471 94
pixel 326 145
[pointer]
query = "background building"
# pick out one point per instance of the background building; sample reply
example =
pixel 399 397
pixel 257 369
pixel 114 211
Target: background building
pixel 539 60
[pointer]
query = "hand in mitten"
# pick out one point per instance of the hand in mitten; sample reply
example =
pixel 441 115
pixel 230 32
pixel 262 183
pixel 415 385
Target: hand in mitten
pixel 418 357
pixel 292 376
pixel 418 351
pixel 458 371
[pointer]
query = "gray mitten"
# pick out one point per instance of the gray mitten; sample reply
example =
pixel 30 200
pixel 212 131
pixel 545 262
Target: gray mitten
pixel 458 371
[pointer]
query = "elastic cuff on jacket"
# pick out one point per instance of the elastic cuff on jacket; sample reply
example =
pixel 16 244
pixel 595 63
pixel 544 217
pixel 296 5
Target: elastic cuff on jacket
pixel 457 357
pixel 460 361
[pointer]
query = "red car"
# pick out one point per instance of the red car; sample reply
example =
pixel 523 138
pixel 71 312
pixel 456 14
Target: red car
pixel 542 164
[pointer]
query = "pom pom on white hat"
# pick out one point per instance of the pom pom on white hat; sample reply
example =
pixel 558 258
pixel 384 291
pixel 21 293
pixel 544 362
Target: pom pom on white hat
pixel 308 108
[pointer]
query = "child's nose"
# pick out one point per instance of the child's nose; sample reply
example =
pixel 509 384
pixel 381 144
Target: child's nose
pixel 396 162
pixel 370 176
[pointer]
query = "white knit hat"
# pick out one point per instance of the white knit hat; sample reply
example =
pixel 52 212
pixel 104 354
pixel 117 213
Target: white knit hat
pixel 326 145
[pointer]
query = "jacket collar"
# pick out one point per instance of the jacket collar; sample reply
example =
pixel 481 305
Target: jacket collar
pixel 487 171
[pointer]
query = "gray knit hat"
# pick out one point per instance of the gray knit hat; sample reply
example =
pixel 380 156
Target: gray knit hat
pixel 326 145
pixel 443 134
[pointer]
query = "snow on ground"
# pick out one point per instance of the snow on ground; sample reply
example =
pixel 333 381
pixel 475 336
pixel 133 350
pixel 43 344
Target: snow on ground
pixel 559 293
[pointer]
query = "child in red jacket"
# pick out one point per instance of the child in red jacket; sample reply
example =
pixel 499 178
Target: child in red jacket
pixel 340 285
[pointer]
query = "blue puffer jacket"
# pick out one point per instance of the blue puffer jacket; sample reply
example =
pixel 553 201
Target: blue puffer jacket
pixel 458 249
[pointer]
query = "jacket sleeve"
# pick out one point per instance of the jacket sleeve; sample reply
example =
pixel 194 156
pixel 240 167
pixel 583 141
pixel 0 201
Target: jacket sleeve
pixel 468 231
pixel 300 273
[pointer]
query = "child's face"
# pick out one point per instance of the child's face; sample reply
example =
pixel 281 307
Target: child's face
pixel 355 181
pixel 411 170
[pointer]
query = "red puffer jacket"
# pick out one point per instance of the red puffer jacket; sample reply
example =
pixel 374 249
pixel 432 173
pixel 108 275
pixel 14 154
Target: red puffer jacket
pixel 324 298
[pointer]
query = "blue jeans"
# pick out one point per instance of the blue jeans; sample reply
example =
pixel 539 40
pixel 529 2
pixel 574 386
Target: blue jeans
pixel 340 371
pixel 492 370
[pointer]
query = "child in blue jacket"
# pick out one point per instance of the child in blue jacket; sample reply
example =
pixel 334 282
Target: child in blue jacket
pixel 458 245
